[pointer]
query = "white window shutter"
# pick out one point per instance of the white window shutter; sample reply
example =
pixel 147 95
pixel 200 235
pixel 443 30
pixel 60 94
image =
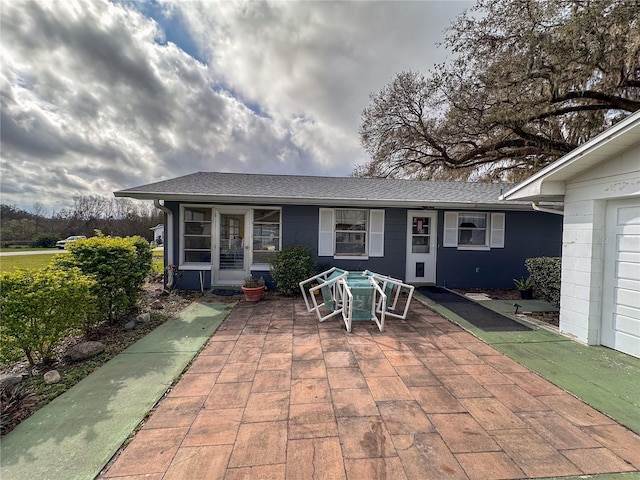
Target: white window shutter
pixel 450 230
pixel 325 232
pixel 376 233
pixel 497 230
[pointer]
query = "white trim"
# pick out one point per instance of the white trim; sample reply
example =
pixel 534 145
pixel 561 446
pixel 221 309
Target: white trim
pixel 494 236
pixel 549 183
pixel 194 265
pixel 375 227
pixel 326 232
pixel 450 230
pixel 429 259
pixel 376 233
pixel 216 209
pixel 251 232
pixel 496 239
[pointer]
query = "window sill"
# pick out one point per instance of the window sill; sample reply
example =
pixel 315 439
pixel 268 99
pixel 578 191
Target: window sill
pixel 350 257
pixel 260 267
pixel 195 266
pixel 478 248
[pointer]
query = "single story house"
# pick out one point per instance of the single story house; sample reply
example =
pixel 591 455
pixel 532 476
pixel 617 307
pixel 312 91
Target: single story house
pixel 223 227
pixel 599 184
pixel 158 234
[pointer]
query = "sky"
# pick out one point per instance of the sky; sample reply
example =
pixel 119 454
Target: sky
pixel 99 96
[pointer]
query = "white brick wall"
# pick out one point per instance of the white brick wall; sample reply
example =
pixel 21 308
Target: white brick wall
pixel 583 241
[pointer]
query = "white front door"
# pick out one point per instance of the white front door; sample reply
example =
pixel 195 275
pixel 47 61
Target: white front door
pixel 621 284
pixel 231 260
pixel 421 246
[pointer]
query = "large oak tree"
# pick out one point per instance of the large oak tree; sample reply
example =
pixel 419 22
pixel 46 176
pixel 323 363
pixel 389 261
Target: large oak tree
pixel 531 80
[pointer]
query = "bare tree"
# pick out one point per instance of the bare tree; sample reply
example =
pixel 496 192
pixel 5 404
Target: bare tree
pixel 532 80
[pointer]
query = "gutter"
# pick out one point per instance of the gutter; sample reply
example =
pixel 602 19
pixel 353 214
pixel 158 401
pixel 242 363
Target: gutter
pixel 538 208
pixel 168 241
pixel 334 201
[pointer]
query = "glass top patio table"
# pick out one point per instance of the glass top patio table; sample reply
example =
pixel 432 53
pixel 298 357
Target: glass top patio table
pixel 363 293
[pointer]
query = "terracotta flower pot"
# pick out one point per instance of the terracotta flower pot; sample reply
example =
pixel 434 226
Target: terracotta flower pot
pixel 253 294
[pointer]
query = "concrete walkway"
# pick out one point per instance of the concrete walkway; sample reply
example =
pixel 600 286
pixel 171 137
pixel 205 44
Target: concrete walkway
pixel 276 395
pixel 75 435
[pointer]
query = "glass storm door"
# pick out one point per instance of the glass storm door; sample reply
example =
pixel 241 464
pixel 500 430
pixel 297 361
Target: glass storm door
pixel 421 246
pixel 233 249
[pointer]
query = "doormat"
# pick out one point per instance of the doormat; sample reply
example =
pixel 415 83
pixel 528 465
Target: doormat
pixel 474 313
pixel 226 292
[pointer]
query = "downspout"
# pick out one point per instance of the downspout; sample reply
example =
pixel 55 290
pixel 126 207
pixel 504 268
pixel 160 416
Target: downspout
pixel 168 241
pixel 538 208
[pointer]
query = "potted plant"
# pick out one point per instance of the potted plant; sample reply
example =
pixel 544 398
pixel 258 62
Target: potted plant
pixel 525 286
pixel 253 288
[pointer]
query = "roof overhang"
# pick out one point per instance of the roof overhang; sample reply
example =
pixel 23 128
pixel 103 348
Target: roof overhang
pixel 549 184
pixel 331 202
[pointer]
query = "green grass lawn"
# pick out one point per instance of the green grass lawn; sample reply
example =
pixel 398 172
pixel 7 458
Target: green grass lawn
pixel 39 261
pixel 24 261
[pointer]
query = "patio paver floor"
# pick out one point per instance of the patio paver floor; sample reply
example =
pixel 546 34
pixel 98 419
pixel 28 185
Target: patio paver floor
pixel 277 395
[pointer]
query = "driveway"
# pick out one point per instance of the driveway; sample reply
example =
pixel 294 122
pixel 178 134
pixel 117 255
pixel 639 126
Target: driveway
pixel 32 252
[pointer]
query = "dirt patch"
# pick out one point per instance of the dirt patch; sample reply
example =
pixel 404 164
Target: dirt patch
pixel 552 318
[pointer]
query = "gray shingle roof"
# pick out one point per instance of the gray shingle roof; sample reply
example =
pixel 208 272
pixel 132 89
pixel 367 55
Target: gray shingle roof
pixel 309 190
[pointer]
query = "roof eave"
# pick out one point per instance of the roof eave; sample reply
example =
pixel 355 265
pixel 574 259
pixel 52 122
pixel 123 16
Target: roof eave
pixel 549 183
pixel 362 202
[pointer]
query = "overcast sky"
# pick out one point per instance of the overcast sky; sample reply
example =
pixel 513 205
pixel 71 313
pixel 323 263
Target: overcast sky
pixel 98 96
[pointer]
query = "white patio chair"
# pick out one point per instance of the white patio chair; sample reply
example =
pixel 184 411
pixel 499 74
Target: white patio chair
pixel 392 288
pixel 326 285
pixel 361 301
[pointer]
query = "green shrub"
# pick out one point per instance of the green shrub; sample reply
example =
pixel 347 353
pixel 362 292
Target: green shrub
pixel 290 266
pixel 119 265
pixel 45 240
pixel 545 274
pixel 40 307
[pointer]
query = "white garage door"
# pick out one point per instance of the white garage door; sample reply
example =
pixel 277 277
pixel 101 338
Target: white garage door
pixel 621 295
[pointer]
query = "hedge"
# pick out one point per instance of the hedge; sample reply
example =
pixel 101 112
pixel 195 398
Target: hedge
pixel 38 308
pixel 545 273
pixel 290 266
pixel 119 265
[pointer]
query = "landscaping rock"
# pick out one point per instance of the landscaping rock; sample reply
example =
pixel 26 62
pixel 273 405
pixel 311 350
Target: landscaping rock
pixel 143 317
pixel 84 350
pixel 9 380
pixel 131 325
pixel 52 376
pixel 157 305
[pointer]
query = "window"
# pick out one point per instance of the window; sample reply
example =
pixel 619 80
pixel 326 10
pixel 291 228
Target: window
pixel 420 235
pixel 266 234
pixel 353 233
pixel 197 235
pixel 473 230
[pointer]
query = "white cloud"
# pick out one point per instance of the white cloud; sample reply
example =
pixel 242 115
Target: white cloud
pixel 95 100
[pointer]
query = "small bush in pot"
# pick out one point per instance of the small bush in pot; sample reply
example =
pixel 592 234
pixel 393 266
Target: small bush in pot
pixel 253 288
pixel 525 285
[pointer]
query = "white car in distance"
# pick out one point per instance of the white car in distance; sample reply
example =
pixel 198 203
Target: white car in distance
pixel 61 244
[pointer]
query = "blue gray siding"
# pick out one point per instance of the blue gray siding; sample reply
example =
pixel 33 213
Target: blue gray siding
pixel 300 227
pixel 527 234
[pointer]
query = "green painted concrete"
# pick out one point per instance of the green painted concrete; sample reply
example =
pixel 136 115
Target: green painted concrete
pixel 506 306
pixel 75 435
pixel 603 378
